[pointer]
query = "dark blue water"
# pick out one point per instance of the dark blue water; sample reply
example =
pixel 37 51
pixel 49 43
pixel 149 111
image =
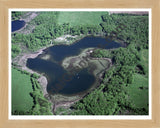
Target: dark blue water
pixel 17 24
pixel 59 80
pixel 59 52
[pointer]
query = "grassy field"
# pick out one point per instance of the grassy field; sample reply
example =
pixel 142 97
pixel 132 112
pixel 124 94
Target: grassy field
pixel 80 18
pixel 21 88
pixel 138 91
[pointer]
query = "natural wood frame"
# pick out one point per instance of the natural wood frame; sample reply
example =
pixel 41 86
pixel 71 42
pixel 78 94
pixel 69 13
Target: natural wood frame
pixel 4 40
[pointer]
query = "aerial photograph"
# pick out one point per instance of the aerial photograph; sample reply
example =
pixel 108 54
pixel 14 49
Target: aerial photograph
pixel 79 62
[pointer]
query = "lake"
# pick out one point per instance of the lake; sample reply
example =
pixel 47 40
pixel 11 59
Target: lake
pixel 17 24
pixel 75 84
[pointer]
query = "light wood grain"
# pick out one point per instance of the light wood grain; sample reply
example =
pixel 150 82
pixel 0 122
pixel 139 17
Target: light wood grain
pixel 6 4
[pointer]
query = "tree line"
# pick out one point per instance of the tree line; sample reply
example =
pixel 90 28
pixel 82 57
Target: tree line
pixel 47 29
pixel 122 27
pixel 41 105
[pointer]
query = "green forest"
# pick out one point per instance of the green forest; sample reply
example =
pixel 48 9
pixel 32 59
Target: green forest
pixel 124 88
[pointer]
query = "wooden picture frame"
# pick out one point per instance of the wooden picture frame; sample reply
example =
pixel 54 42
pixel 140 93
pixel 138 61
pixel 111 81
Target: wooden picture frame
pixel 4 60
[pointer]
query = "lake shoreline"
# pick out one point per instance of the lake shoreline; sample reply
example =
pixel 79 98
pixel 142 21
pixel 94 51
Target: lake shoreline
pixel 22 60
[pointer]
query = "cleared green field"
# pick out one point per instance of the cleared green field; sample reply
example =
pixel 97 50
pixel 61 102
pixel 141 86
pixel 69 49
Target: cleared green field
pixel 138 91
pixel 21 88
pixel 80 18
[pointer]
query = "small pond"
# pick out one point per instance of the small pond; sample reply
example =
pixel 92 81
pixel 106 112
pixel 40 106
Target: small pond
pixel 17 24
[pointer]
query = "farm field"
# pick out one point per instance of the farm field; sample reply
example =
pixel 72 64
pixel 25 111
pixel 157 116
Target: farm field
pixel 80 18
pixel 21 89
